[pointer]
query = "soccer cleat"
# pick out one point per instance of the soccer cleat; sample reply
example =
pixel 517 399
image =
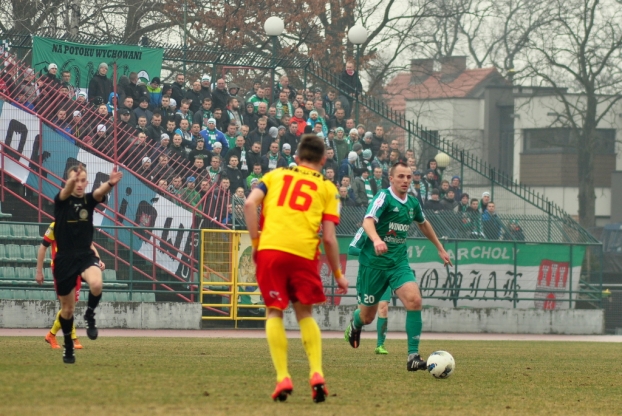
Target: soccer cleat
pixel 381 350
pixel 415 362
pixel 91 328
pixel 77 345
pixel 283 389
pixel 353 336
pixel 318 388
pixel 68 357
pixel 51 339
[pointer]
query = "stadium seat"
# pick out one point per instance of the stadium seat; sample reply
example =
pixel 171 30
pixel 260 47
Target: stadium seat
pixel 121 296
pixel 18 231
pixel 32 232
pixel 148 297
pixel 19 294
pixel 23 273
pixel 28 254
pixel 107 297
pixel 3 255
pixel 35 294
pixel 8 272
pixel 5 231
pixel 48 256
pixel 13 253
pixel 110 275
pixel 47 274
pixel 6 294
pixel 49 295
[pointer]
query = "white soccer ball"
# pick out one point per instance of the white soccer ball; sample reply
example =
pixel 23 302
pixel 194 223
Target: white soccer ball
pixel 441 364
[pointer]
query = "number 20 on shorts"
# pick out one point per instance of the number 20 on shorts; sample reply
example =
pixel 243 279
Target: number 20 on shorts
pixel 299 199
pixel 368 298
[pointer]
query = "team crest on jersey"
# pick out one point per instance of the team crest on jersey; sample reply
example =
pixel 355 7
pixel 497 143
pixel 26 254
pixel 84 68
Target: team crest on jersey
pixel 84 214
pixel 410 212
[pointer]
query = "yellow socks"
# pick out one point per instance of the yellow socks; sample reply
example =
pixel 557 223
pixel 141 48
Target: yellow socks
pixel 312 343
pixel 277 341
pixel 56 325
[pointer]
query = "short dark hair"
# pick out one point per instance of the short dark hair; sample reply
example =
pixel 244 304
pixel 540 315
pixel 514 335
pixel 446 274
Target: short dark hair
pixel 402 164
pixel 311 148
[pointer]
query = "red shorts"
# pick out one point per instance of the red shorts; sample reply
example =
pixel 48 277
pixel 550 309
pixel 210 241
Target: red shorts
pixel 284 277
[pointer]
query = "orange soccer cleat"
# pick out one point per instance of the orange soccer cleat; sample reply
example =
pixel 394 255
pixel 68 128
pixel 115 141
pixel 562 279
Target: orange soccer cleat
pixel 318 388
pixel 77 345
pixel 51 339
pixel 283 389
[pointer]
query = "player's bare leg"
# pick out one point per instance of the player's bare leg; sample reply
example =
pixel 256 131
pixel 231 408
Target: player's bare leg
pixel 277 342
pixel 381 327
pixel 312 342
pixel 364 315
pixel 410 296
pixel 92 276
pixel 67 307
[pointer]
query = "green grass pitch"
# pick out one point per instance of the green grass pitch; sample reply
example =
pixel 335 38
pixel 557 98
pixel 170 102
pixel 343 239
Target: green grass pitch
pixel 189 376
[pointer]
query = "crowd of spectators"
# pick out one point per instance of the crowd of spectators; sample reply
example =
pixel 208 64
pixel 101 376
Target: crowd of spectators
pixel 203 142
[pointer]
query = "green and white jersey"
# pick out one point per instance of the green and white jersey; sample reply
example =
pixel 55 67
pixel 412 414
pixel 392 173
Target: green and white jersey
pixel 393 217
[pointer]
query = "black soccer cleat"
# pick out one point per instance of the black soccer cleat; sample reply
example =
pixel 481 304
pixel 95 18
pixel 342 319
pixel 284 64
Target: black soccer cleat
pixel 318 388
pixel 352 335
pixel 68 357
pixel 91 328
pixel 415 363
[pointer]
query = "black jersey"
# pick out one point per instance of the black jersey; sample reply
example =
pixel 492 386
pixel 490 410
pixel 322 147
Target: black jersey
pixel 74 223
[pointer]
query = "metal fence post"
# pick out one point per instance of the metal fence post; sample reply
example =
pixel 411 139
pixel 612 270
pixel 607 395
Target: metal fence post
pixel 131 261
pixel 548 210
pixel 570 279
pixel 515 270
pixel 600 276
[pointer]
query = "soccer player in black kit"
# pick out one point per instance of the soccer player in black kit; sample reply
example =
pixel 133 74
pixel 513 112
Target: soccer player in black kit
pixel 73 215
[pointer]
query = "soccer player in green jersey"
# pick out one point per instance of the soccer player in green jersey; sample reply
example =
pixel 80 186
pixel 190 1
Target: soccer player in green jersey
pixel 383 306
pixel 383 261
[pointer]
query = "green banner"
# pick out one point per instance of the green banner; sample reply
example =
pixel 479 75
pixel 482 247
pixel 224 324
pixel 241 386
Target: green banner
pixel 82 60
pixel 490 274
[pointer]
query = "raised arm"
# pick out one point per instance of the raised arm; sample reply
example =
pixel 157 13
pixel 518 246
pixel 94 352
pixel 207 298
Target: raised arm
pixel 428 231
pixel 105 188
pixel 71 182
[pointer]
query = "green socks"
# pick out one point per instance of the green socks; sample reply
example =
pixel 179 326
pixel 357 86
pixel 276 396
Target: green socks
pixel 358 324
pixel 414 324
pixel 381 327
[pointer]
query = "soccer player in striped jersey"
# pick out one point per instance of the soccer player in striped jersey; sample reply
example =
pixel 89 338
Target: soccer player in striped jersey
pixel 50 241
pixel 383 260
pixel 295 203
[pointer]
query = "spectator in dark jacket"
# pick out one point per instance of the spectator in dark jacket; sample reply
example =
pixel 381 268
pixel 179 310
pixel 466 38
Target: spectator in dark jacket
pixel 100 85
pixel 234 174
pixel 434 204
pixel 350 83
pixel 220 95
pixel 195 96
pixel 178 89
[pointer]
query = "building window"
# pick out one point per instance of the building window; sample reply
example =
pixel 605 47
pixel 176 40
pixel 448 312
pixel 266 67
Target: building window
pixel 561 140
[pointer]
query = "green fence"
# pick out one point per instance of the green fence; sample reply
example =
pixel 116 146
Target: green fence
pixel 159 268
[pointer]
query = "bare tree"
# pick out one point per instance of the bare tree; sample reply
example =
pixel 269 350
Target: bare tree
pixel 580 52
